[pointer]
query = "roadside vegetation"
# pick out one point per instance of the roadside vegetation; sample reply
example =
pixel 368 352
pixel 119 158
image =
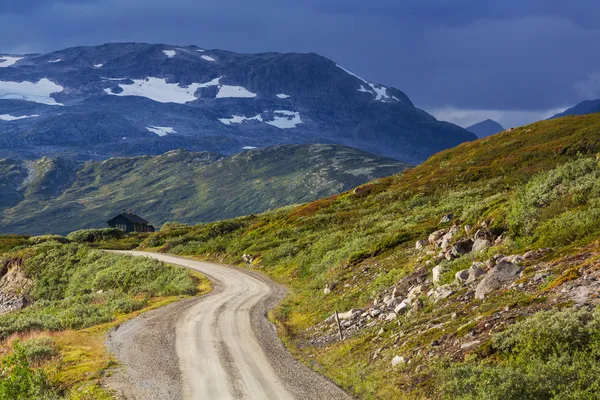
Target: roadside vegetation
pixel 535 187
pixel 74 294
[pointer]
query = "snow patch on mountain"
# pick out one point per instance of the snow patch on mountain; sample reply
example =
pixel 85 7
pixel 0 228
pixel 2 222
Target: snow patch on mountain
pixel 98 65
pixel 37 92
pixel 7 61
pixel 55 61
pixel 284 119
pixel 208 58
pixel 249 148
pixel 238 119
pixel 283 96
pixel 161 130
pixel 8 117
pixel 379 91
pixel 159 90
pixel 226 91
pixel 170 53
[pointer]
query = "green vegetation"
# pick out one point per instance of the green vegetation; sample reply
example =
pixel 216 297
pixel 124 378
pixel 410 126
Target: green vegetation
pixel 71 287
pixel 536 185
pixel 95 235
pixel 552 355
pixel 177 186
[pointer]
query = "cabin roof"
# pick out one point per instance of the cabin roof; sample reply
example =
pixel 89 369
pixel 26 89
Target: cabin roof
pixel 136 219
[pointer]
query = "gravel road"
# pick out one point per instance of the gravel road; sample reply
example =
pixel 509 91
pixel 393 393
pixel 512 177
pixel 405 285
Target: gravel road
pixel 220 346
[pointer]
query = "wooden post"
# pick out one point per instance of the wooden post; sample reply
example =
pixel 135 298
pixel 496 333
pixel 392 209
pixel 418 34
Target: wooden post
pixel 337 319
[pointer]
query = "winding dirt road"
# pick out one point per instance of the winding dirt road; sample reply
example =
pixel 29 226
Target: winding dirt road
pixel 224 345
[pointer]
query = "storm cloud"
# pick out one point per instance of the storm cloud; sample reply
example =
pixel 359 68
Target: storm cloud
pixel 514 60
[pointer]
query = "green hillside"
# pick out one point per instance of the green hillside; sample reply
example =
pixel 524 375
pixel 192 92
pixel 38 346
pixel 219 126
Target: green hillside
pixel 507 229
pixel 58 196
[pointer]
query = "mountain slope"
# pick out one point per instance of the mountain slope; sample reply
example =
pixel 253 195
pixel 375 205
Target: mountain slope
pixel 585 107
pixel 485 128
pixel 141 99
pixel 497 299
pixel 58 196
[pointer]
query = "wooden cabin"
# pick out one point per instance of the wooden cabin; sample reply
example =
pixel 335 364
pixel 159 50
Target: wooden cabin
pixel 129 222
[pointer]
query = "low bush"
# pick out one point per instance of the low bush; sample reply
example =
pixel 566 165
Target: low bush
pixel 40 349
pixel 48 238
pixel 95 235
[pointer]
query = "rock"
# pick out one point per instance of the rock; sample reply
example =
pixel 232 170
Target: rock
pixel 468 229
pixel 248 260
pixel 437 274
pixel 417 305
pixel 514 259
pixel 442 292
pixel 482 234
pixel 375 313
pixel 393 303
pixel 329 288
pixel 436 236
pixel 468 345
pixel 446 218
pixel 401 308
pixel 391 316
pixel 420 244
pixel 476 270
pixel 398 360
pixel 503 273
pixel 480 245
pixel 462 247
pixel 414 292
pixel 445 240
pixel 349 314
pixel 462 276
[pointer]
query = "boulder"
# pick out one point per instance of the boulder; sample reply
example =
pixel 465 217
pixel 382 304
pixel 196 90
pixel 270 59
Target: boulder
pixel 398 360
pixel 503 273
pixel 446 218
pixel 480 245
pixel 329 288
pixel 462 247
pixel 436 236
pixel 391 316
pixel 401 308
pixel 375 313
pixel 349 314
pixel 442 292
pixel 476 270
pixel 420 244
pixel 437 274
pixel 462 277
pixel 414 292
pixel 514 259
pixel 393 303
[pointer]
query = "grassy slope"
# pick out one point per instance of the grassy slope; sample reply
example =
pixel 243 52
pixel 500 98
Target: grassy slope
pixel 179 185
pixel 363 240
pixel 77 296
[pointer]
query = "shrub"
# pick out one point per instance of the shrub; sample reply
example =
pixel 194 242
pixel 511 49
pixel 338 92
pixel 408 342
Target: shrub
pixel 551 355
pixel 172 225
pixel 19 381
pixel 48 238
pixel 95 235
pixel 39 349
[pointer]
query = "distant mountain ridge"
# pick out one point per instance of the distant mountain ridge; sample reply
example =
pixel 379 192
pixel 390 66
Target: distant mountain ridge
pixel 485 128
pixel 57 195
pixel 585 107
pixel 123 99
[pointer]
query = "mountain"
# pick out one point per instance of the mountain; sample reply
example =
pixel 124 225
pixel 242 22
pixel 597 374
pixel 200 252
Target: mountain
pixel 585 107
pixel 123 99
pixel 56 195
pixel 485 128
pixel 471 276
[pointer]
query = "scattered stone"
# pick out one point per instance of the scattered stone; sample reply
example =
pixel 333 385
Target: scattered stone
pixel 454 315
pixel 475 272
pixel 329 288
pixel 446 218
pixel 377 352
pixel 437 274
pixel 468 229
pixel 462 277
pixel 391 316
pixel 442 292
pixel 398 360
pixel 436 236
pixel 502 274
pixel 414 292
pixel 401 308
pixel 468 345
pixel 420 244
pixel 462 247
pixel 417 305
pixel 375 313
pixel 480 245
pixel 393 303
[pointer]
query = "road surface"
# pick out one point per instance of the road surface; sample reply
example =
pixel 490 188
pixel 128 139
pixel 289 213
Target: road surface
pixel 224 345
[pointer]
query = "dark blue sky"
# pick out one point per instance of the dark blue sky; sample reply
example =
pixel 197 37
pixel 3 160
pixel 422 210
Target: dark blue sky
pixel 463 60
